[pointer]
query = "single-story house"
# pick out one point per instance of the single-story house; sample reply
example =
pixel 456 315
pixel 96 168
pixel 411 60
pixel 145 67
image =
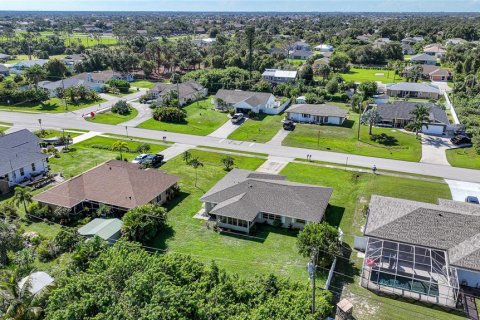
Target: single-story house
pixel 299 45
pixel 35 282
pixel 398 114
pixel 279 76
pixel 242 199
pixel 324 48
pixel 435 49
pixel 423 58
pixel 4 70
pixel 317 114
pixel 187 91
pixel 20 66
pixel 107 229
pixel 407 48
pixel 278 51
pixel 422 251
pixel 364 37
pixel 380 42
pixel 53 86
pixel 431 72
pixel 246 101
pixel 73 59
pixel 118 184
pixel 317 64
pixel 206 42
pixel 413 90
pixel 5 57
pixel 21 159
pixel 104 76
pixel 300 54
pixel 455 41
pixel 412 40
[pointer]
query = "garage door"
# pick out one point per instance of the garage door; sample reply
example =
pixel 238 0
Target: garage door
pixel 433 129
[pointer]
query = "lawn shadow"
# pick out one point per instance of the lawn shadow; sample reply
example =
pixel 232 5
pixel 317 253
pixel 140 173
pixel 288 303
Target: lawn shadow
pixel 384 139
pixel 348 123
pixel 47 106
pixel 182 195
pixel 334 215
pixel 160 241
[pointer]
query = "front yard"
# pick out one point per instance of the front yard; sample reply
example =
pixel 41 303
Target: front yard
pixel 464 158
pixel 52 105
pixel 142 84
pixel 390 143
pixel 113 118
pixel 258 130
pixel 202 119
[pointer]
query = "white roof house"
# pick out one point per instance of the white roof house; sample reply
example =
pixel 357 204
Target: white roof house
pixel 324 47
pixel 36 281
pixel 279 76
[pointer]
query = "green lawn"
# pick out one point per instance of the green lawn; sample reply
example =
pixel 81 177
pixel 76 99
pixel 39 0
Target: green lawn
pixel 2 128
pixel 363 75
pixel 351 192
pixel 261 130
pixel 276 253
pixel 464 158
pixel 142 84
pixel 394 144
pixel 84 38
pixel 85 156
pixel 113 118
pixel 58 133
pixel 123 94
pixel 296 62
pixel 53 105
pixel 202 119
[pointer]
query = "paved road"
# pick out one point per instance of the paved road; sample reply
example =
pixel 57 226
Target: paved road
pixel 58 121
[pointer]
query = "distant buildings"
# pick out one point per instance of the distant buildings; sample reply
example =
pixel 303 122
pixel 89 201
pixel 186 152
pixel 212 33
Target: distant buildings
pixel 324 48
pixel 435 49
pixel 279 76
pixel 423 58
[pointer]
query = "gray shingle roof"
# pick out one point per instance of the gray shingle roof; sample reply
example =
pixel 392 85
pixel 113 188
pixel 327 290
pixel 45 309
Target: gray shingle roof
pixel 236 96
pixel 423 57
pixel 244 194
pixel 403 109
pixel 18 150
pixel 450 225
pixel 322 110
pixel 413 86
pixel 66 83
pixel 3 68
pixel 185 89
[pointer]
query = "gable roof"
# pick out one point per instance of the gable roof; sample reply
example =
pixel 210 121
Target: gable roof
pixel 322 110
pixel 4 56
pixel 185 89
pixel 116 183
pixel 235 96
pixel 280 73
pixel 67 83
pixel 403 109
pixel 413 86
pixel 18 150
pixel 451 226
pixel 423 57
pixel 3 68
pixel 30 63
pixel 244 194
pixel 303 53
pixel 104 228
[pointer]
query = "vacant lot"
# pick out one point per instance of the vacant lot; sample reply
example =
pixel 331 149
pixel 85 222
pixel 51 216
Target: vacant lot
pixel 464 158
pixel 258 130
pixel 363 75
pixel 113 118
pixel 53 105
pixel 351 192
pixel 390 143
pixel 142 84
pixel 202 119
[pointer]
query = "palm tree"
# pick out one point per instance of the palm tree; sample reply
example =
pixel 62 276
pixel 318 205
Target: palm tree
pixel 195 163
pixel 186 156
pixel 35 74
pixel 120 146
pixel 420 118
pixel 371 117
pixel 22 195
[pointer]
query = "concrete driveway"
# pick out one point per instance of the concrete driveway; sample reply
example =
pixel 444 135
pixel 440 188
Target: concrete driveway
pixel 274 165
pixel 144 113
pixel 460 189
pixel 434 149
pixel 443 86
pixel 278 138
pixel 225 130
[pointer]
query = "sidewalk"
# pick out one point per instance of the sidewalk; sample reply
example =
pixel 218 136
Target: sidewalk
pixel 274 165
pixel 85 136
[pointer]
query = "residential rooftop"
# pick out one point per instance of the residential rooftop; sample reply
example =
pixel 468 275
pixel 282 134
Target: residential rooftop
pixel 322 110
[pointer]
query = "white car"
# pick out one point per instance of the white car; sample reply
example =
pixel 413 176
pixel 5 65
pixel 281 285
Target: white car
pixel 237 117
pixel 139 158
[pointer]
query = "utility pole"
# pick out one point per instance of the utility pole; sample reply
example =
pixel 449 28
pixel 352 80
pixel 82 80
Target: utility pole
pixel 312 269
pixel 360 107
pixel 126 129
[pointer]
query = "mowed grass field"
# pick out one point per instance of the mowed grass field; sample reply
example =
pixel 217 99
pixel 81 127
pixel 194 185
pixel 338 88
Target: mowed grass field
pixel 259 130
pixel 142 84
pixel 363 75
pixel 84 38
pixel 52 105
pixel 464 158
pixel 393 144
pixel 113 118
pixel 202 119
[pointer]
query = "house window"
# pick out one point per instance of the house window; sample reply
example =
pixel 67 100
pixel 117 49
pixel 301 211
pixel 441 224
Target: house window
pixel 22 172
pixel 33 167
pixel 304 115
pixel 14 175
pixel 270 216
pixel 300 221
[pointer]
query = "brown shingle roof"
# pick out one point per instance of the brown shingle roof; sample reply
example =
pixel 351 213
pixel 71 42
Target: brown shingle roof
pixel 116 183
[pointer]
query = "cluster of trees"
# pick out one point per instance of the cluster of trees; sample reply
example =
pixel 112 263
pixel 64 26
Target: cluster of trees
pixel 121 107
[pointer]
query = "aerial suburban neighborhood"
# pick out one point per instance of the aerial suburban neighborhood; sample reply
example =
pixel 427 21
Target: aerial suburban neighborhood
pixel 239 160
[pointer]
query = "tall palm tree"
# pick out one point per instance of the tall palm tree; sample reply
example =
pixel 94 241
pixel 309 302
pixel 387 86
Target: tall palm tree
pixel 195 163
pixel 420 118
pixel 120 146
pixel 22 195
pixel 35 74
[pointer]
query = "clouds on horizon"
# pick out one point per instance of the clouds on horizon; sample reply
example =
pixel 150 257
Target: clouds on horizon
pixel 246 5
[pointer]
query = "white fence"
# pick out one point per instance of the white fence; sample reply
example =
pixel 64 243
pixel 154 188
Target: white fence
pixel 449 106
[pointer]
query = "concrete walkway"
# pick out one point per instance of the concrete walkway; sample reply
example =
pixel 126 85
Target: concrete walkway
pixel 225 130
pixel 106 105
pixel 278 138
pixel 274 165
pixel 460 190
pixel 144 113
pixel 175 150
pixel 85 136
pixel 434 150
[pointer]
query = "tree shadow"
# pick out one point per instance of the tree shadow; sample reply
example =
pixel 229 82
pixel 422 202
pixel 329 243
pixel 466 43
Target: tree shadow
pixel 160 241
pixel 348 123
pixel 260 233
pixel 334 214
pixel 182 195
pixel 384 139
pixel 47 106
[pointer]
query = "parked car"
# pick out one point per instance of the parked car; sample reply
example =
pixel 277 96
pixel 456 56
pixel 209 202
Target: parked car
pixel 472 199
pixel 237 117
pixel 461 139
pixel 139 158
pixel 288 125
pixel 153 160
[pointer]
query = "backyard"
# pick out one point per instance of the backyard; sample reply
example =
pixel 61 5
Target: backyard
pixel 390 143
pixel 142 84
pixel 258 130
pixel 202 119
pixel 363 75
pixel 52 105
pixel 113 118
pixel 464 158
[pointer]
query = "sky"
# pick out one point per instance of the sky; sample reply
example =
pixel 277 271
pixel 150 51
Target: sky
pixel 246 5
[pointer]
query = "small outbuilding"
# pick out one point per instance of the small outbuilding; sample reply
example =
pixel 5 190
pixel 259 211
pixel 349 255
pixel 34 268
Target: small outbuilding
pixel 107 229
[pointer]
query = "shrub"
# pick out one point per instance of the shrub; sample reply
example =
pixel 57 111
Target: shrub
pixel 45 251
pixel 121 107
pixel 122 85
pixel 169 114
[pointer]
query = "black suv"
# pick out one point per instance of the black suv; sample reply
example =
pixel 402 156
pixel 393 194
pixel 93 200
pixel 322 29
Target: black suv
pixel 461 139
pixel 288 125
pixel 153 160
